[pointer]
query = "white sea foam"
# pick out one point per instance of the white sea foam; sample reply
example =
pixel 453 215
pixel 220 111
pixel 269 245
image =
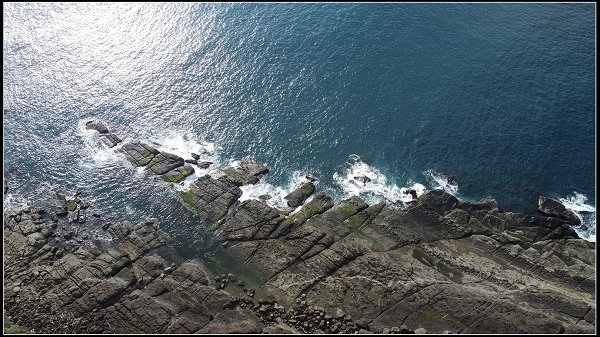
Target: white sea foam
pixel 377 189
pixel 183 145
pixel 94 151
pixel 15 202
pixel 276 193
pixel 442 182
pixel 585 212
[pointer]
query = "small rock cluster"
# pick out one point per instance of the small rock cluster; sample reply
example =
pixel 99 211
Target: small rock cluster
pixel 109 139
pixel 302 318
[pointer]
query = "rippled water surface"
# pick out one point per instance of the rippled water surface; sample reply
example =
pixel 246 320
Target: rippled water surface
pixel 498 96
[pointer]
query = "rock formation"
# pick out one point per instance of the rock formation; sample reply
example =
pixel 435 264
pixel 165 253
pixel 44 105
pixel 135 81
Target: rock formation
pixel 554 208
pixel 438 265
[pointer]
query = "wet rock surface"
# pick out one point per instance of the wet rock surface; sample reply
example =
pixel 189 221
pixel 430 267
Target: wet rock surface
pixel 439 265
pixel 138 153
pixel 178 174
pixel 97 125
pixel 246 173
pixel 111 140
pixel 555 208
pixel 297 197
pixel 164 162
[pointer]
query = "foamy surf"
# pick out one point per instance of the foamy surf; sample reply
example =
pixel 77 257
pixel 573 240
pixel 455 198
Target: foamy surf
pixel 95 152
pixel 442 182
pixel 585 212
pixel 363 180
pixel 273 195
pixel 183 145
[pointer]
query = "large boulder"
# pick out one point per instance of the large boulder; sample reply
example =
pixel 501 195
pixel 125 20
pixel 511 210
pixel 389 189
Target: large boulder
pixel 246 173
pixel 212 197
pixel 554 208
pixel 297 197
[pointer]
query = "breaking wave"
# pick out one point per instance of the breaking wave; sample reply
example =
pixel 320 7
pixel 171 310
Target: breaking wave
pixel 366 181
pixel 578 203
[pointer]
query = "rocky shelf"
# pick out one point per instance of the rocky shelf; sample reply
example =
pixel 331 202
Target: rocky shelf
pixel 438 265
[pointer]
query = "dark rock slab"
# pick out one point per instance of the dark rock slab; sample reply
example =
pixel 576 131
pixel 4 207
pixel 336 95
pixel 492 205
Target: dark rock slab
pixel 138 153
pixel 556 209
pixel 252 220
pixel 164 162
pixel 253 167
pixel 178 174
pixel 212 197
pixel 111 139
pixel 297 197
pixel 121 287
pixel 96 125
pixel 246 173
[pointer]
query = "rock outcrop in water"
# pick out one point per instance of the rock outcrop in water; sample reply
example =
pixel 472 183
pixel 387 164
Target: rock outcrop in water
pixel 297 197
pixel 439 265
pixel 554 208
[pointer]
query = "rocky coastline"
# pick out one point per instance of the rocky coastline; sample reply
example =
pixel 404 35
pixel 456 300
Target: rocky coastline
pixel 438 265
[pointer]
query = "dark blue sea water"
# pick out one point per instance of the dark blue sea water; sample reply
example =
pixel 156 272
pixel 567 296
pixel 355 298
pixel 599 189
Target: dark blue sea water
pixel 499 96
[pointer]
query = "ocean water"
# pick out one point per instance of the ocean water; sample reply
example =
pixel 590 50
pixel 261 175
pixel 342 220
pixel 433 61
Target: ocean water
pixel 478 99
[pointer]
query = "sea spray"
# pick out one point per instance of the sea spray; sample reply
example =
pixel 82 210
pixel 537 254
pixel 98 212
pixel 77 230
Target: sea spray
pixel 275 194
pixel 94 152
pixel 585 212
pixel 442 181
pixel 366 181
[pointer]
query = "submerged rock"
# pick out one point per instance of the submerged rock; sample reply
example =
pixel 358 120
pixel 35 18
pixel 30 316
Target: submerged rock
pixel 363 179
pixel 204 164
pixel 556 209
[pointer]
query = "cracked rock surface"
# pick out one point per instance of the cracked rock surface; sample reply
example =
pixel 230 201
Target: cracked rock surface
pixel 438 265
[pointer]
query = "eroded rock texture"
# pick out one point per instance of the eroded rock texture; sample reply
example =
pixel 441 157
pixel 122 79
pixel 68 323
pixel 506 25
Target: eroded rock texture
pixel 441 264
pixel 123 287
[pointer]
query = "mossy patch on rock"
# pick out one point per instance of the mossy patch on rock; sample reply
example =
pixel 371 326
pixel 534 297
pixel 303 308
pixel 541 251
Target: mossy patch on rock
pixel 189 197
pixel 177 175
pixel 71 206
pixel 146 160
pixel 15 329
